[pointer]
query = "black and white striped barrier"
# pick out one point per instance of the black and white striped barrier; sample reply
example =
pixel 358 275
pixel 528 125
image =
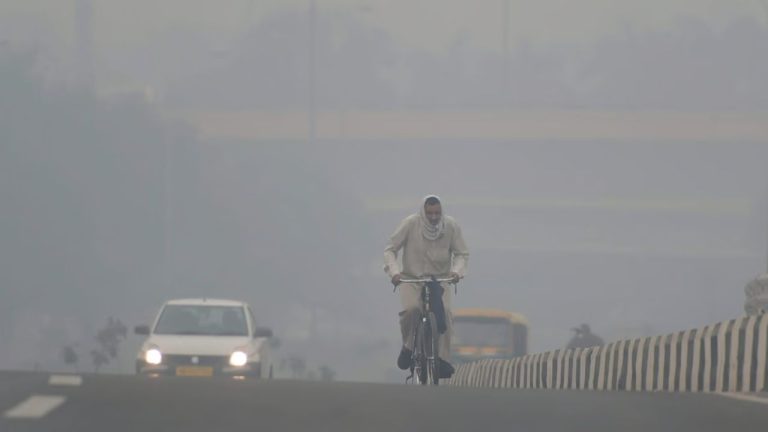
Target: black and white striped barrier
pixel 727 356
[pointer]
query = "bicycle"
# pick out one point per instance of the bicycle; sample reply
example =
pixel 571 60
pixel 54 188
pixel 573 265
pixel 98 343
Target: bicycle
pixel 424 360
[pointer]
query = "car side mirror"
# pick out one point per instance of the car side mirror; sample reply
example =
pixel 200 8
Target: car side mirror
pixel 262 332
pixel 141 330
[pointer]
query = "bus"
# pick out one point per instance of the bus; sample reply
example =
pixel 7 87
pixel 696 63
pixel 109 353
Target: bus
pixel 488 333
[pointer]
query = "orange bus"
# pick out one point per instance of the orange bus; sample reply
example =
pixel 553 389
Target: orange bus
pixel 488 333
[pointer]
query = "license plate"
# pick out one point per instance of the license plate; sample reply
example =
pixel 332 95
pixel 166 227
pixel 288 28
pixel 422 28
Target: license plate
pixel 198 371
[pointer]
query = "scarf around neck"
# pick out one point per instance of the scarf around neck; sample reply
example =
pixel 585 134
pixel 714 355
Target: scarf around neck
pixel 429 231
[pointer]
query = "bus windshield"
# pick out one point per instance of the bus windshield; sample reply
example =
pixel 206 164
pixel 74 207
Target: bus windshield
pixel 480 331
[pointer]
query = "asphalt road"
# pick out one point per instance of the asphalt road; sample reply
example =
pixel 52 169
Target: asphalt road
pixel 42 402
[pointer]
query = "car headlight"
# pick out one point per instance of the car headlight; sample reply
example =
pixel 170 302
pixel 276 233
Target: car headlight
pixel 238 358
pixel 153 356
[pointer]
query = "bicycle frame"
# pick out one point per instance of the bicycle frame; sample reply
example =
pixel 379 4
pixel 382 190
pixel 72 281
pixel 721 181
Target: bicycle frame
pixel 421 360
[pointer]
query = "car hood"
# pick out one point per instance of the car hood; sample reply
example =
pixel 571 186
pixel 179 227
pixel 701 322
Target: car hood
pixel 198 345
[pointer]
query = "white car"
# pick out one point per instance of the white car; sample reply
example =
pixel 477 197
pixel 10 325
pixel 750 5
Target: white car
pixel 205 337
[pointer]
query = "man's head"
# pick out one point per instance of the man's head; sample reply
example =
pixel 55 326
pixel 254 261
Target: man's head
pixel 433 210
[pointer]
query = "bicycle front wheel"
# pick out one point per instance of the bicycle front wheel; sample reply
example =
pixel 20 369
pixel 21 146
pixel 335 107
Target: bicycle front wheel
pixel 432 348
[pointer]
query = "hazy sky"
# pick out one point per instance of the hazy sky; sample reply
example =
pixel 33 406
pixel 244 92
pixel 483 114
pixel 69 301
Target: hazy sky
pixel 433 24
pixel 600 220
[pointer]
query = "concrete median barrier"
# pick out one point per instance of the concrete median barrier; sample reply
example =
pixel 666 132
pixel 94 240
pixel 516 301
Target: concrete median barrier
pixel 728 356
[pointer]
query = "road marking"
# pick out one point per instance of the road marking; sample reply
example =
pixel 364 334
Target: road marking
pixel 35 407
pixel 66 380
pixel 745 397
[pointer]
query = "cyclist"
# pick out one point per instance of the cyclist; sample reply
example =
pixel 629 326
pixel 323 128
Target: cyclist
pixel 432 246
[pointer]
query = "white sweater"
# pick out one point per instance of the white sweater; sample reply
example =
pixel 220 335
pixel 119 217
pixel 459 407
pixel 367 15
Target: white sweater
pixel 422 257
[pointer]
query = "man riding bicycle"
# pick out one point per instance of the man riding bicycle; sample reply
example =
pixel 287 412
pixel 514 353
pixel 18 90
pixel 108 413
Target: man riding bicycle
pixel 432 247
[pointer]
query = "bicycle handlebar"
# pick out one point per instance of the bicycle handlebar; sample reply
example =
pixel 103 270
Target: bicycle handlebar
pixel 425 280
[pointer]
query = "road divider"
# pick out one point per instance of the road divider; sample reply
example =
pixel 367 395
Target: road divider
pixel 728 356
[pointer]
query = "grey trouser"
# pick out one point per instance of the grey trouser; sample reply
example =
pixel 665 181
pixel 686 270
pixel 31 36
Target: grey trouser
pixel 410 297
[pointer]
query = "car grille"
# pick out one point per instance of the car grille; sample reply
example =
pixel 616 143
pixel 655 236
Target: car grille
pixel 183 360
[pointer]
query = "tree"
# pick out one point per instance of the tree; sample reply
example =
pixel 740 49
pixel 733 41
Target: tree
pixel 326 373
pixel 108 339
pixel 69 355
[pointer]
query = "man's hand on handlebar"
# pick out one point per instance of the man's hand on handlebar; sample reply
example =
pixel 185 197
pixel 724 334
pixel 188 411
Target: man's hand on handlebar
pixel 455 277
pixel 396 279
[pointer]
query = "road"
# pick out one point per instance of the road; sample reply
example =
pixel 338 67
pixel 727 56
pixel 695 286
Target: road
pixel 40 402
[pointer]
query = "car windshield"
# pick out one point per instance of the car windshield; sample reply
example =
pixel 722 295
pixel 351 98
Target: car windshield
pixel 202 320
pixel 481 332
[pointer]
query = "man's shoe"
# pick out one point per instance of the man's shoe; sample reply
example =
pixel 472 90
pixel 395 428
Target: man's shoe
pixel 404 359
pixel 446 370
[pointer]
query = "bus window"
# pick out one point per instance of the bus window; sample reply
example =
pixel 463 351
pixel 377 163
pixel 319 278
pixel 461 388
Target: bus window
pixel 519 340
pixel 487 332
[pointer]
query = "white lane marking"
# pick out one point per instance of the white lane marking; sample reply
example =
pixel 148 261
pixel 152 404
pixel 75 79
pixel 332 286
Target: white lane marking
pixel 65 380
pixel 745 397
pixel 35 407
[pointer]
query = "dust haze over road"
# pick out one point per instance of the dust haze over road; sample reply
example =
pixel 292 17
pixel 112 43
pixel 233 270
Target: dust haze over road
pixel 112 204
